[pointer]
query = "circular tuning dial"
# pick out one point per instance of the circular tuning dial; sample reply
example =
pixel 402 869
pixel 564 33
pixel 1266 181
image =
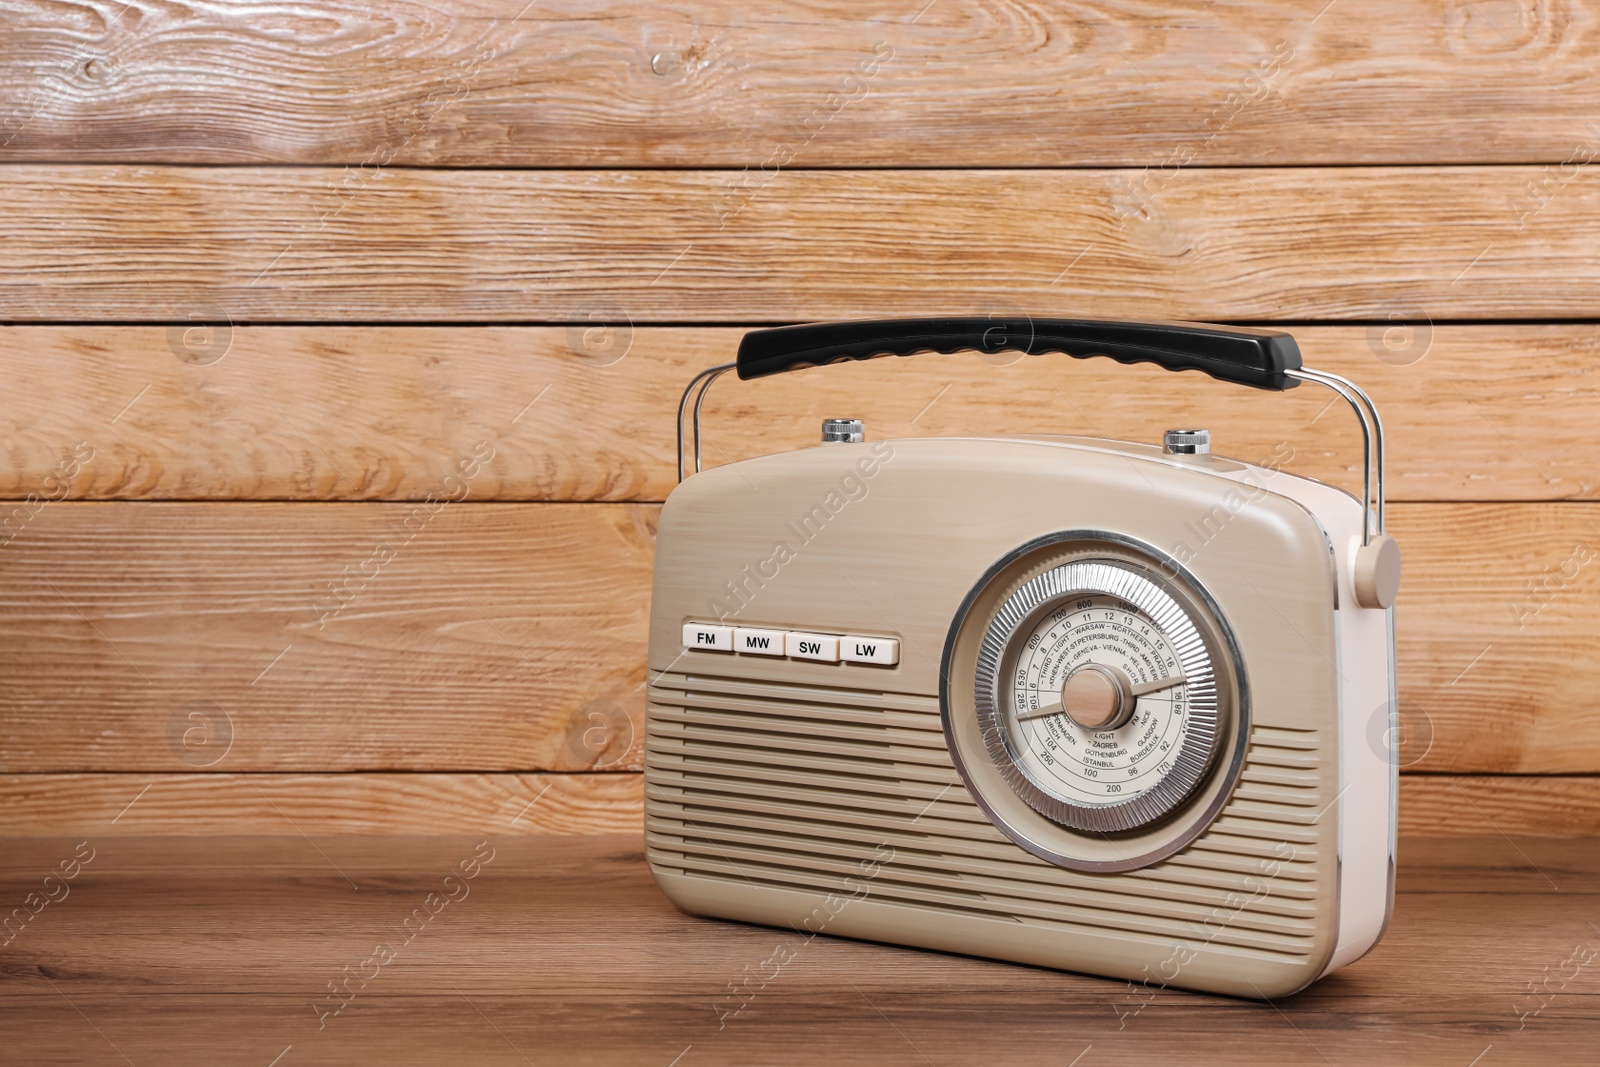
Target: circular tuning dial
pixel 1097 695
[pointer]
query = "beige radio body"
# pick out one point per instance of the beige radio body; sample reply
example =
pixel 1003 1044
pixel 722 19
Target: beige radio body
pixel 842 788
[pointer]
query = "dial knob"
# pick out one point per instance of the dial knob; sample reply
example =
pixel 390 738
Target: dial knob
pixel 1097 696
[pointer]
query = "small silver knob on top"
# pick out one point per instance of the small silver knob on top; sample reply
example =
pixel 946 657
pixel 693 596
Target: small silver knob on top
pixel 846 430
pixel 1186 442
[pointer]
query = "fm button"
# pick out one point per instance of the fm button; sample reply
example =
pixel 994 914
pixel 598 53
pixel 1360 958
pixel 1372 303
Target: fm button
pixel 708 638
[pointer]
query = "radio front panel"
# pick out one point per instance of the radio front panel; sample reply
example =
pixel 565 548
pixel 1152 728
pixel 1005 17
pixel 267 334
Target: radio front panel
pixel 1106 738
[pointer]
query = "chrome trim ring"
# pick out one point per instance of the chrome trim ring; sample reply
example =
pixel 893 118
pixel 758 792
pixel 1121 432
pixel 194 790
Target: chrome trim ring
pixel 1047 591
pixel 1049 846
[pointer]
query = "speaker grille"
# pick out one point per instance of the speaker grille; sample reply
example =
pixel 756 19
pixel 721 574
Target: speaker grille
pixel 796 787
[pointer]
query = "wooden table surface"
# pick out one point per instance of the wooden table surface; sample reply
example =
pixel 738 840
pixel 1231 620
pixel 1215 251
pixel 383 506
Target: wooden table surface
pixel 221 950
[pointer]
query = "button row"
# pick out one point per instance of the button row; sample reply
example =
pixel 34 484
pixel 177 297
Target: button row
pixel 826 648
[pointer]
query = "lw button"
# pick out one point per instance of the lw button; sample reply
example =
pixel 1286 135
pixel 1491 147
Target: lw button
pixel 758 642
pixel 707 638
pixel 869 650
pixel 824 647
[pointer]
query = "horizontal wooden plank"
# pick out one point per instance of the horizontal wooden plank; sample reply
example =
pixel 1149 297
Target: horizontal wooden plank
pixel 1533 805
pixel 364 413
pixel 398 804
pixel 846 1022
pixel 225 949
pixel 163 637
pixel 1499 637
pixel 127 243
pixel 423 636
pixel 716 83
pixel 42 805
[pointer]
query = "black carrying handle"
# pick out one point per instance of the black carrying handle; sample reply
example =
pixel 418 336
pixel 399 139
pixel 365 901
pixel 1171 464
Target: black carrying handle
pixel 1257 358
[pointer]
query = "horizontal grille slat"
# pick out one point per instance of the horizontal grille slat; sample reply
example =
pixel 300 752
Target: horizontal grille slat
pixel 712 754
pixel 1232 933
pixel 903 727
pixel 1001 859
pixel 1148 901
pixel 860 745
pixel 958 808
pixel 1216 854
pixel 797 786
pixel 701 766
pixel 670 688
pixel 737 779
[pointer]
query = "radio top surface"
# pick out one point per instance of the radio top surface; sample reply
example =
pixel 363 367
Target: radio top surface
pixel 884 539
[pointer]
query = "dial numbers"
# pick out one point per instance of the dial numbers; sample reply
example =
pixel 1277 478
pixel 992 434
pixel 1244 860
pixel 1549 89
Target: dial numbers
pixel 1087 766
pixel 1096 694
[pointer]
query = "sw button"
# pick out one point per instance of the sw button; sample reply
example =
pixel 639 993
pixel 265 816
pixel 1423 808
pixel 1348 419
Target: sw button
pixel 885 650
pixel 823 647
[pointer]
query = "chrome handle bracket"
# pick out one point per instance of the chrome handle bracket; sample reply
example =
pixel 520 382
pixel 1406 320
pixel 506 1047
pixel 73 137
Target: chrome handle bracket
pixel 703 380
pixel 1372 460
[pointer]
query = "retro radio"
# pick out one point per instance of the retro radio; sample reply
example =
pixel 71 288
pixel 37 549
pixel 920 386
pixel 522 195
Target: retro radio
pixel 1111 707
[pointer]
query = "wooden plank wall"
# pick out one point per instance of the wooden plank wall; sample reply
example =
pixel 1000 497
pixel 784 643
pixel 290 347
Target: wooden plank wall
pixel 270 277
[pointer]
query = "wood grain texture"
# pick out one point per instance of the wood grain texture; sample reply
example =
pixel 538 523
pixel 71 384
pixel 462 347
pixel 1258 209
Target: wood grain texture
pixel 165 637
pixel 134 243
pixel 172 637
pixel 397 804
pixel 43 805
pixel 716 83
pixel 385 413
pixel 1241 163
pixel 1535 804
pixel 1498 632
pixel 561 949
